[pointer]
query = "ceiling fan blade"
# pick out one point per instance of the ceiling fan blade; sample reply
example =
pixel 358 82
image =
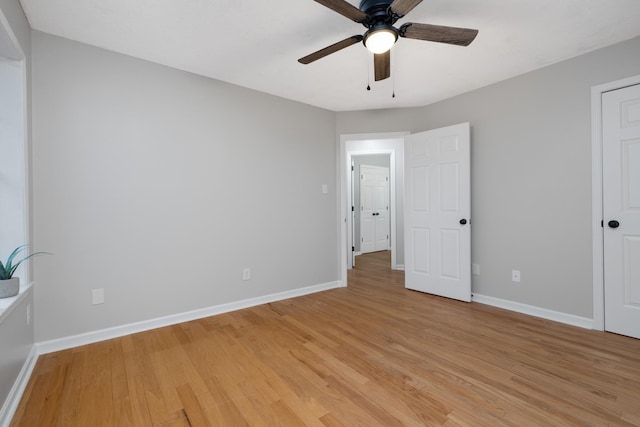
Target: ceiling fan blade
pixel 330 49
pixel 345 9
pixel 382 65
pixel 402 7
pixel 438 33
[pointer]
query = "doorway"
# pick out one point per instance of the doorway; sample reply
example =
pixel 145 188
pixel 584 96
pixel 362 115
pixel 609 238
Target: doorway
pixel 392 145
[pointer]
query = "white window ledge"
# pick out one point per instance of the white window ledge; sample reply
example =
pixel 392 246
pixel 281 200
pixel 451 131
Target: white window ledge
pixel 7 305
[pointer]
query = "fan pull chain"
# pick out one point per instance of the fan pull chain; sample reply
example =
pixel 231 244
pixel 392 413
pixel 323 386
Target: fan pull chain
pixel 393 77
pixel 368 73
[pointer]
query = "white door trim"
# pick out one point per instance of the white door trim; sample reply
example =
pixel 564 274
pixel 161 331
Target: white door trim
pixel 391 143
pixel 352 219
pixel 596 194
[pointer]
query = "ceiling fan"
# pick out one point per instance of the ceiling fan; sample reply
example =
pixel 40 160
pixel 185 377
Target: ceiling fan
pixel 378 16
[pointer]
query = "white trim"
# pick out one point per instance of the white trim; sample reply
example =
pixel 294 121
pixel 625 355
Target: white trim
pixel 26 169
pixel 58 344
pixel 399 267
pixel 556 316
pixel 20 384
pixel 596 194
pixel 363 144
pixel 7 305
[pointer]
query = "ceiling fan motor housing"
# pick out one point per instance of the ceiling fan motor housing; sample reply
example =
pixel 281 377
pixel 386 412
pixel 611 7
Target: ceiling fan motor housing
pixel 377 11
pixel 379 19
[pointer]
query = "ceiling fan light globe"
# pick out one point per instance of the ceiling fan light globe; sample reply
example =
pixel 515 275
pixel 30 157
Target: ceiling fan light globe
pixel 380 41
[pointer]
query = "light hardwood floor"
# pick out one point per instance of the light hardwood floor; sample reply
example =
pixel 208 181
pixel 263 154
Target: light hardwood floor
pixel 372 354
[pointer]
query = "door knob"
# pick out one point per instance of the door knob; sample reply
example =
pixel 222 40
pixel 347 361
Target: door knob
pixel 613 224
pixel 463 221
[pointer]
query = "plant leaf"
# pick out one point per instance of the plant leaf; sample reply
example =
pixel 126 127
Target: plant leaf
pixel 7 271
pixel 3 272
pixel 17 264
pixel 15 252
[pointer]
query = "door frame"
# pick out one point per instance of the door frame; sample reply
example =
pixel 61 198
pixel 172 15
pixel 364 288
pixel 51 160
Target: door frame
pixel 597 231
pixel 391 143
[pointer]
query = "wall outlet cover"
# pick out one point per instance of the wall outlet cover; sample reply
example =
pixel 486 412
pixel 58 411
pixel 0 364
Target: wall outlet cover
pixel 515 275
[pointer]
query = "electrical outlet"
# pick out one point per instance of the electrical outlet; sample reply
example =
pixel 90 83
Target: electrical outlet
pixel 97 296
pixel 246 274
pixel 475 269
pixel 515 275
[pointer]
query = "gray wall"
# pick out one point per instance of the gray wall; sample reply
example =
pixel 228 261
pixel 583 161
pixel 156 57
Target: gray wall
pixel 160 186
pixel 12 10
pixel 531 174
pixel 16 337
pixel 371 160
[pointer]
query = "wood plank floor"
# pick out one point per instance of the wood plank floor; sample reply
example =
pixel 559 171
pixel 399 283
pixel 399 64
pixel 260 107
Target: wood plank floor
pixel 372 354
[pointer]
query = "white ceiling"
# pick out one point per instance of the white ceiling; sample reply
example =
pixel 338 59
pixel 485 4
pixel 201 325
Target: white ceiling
pixel 256 44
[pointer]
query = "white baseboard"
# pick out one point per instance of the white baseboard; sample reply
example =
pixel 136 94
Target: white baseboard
pixel 15 394
pixel 398 267
pixel 569 319
pixel 58 344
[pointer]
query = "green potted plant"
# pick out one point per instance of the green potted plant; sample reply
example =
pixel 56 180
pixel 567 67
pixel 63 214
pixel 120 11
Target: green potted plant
pixel 9 285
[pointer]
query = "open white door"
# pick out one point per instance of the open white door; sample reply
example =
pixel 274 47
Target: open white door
pixel 621 208
pixel 437 212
